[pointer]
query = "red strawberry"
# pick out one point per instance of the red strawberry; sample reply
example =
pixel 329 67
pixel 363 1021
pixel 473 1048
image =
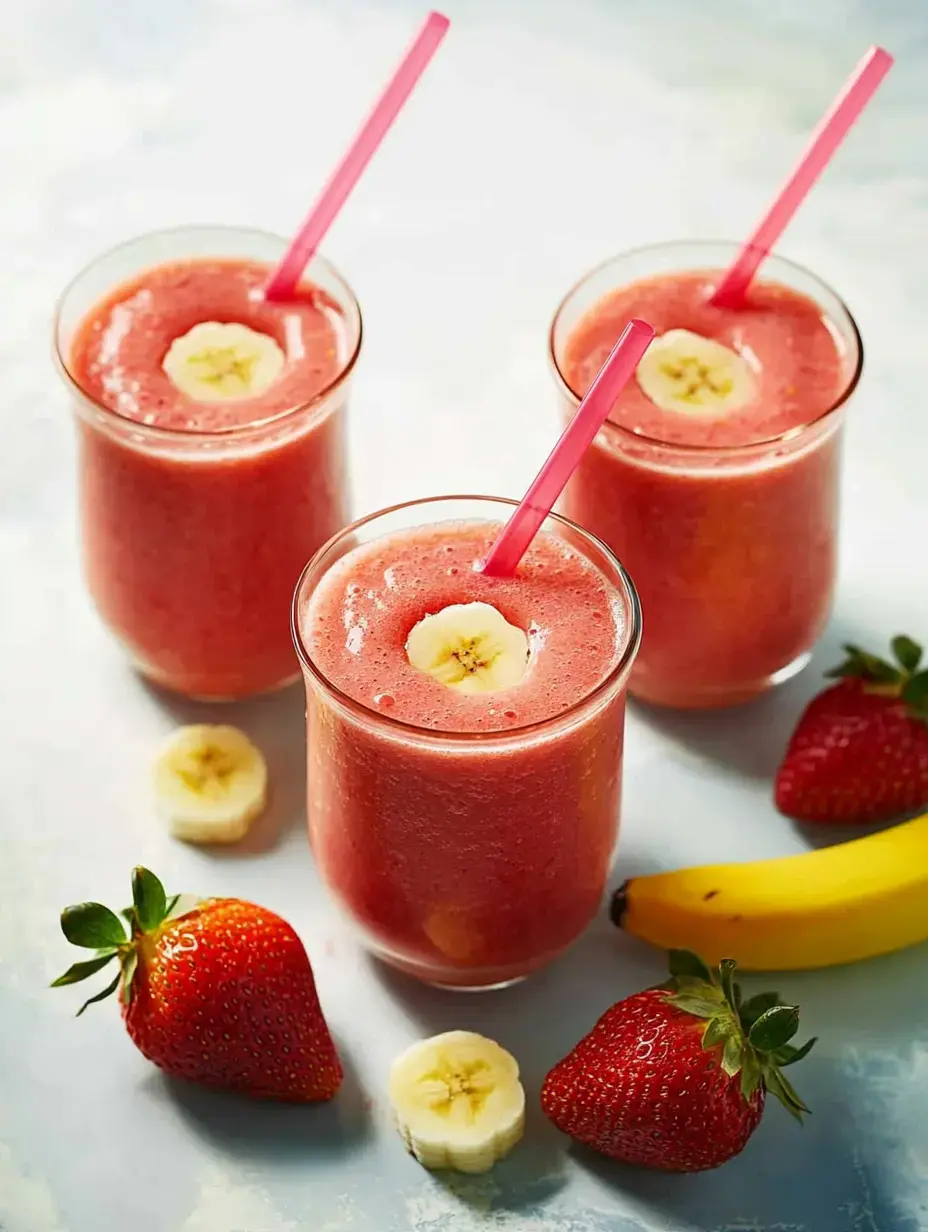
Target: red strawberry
pixel 860 750
pixel 222 994
pixel 675 1077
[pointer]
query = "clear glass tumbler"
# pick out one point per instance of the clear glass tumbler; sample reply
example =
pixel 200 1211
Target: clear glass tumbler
pixel 733 549
pixel 466 859
pixel 193 541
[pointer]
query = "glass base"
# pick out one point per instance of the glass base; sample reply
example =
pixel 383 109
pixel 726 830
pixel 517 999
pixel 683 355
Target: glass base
pixel 711 697
pixel 213 699
pixel 462 979
pixel 517 979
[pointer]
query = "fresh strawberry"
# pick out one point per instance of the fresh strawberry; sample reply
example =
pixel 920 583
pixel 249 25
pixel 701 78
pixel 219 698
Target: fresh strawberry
pixel 860 750
pixel 222 993
pixel 675 1077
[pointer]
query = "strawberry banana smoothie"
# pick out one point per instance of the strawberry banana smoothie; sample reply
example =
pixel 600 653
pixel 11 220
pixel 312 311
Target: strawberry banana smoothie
pixel 212 454
pixel 716 478
pixel 464 736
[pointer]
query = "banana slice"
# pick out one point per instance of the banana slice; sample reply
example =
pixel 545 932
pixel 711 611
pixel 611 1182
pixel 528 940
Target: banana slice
pixel 470 647
pixel 458 1101
pixel 682 371
pixel 210 784
pixel 216 362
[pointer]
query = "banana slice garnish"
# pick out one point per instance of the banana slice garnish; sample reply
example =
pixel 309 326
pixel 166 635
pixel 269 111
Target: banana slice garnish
pixel 216 362
pixel 684 372
pixel 470 647
pixel 210 784
pixel 457 1101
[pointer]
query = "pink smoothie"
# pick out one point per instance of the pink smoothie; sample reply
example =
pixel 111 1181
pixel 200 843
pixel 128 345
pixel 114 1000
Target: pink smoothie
pixel 470 844
pixel 731 542
pixel 196 527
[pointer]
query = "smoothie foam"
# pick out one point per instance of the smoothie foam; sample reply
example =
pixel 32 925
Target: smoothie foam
pixel 361 615
pixel 116 355
pixel 795 353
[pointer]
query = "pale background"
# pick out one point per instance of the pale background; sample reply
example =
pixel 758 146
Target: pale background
pixel 546 137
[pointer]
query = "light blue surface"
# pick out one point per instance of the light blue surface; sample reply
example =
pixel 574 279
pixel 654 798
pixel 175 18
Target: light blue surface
pixel 678 119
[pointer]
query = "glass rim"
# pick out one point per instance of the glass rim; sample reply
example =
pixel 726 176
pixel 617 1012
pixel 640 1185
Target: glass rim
pixel 791 434
pixel 235 431
pixel 632 637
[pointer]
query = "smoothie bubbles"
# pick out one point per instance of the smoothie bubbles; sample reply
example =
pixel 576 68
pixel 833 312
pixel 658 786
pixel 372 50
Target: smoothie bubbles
pixel 209 371
pixel 716 478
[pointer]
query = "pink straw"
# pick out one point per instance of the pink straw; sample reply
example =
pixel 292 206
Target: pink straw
pixel 515 537
pixel 832 129
pixel 323 213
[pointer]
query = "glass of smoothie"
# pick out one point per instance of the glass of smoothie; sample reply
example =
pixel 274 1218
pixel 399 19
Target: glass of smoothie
pixel 716 478
pixel 464 735
pixel 211 448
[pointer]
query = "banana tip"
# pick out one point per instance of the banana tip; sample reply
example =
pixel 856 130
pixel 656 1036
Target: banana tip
pixel 618 905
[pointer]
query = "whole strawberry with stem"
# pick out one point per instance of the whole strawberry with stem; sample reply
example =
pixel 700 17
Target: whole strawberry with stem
pixel 860 750
pixel 675 1077
pixel 222 993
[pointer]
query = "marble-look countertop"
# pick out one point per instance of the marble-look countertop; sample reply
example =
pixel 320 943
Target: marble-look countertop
pixel 546 136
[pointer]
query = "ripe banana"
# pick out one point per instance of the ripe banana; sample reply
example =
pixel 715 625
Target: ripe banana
pixel 457 1101
pixel 817 909
pixel 682 371
pixel 216 362
pixel 470 647
pixel 210 784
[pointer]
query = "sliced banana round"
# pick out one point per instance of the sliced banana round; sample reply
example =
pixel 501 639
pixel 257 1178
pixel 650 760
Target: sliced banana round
pixel 470 647
pixel 458 1101
pixel 210 783
pixel 215 362
pixel 682 371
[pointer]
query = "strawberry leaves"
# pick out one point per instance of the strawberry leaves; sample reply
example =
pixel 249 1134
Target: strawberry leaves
pixel 907 652
pixel 861 665
pixel 82 970
pixel 733 1054
pixel 95 927
pixel 774 1028
pixel 92 926
pixel 788 1055
pixel 901 679
pixel 149 901
pixel 751 1075
pixel 101 996
pixel 754 1035
pixel 755 1006
pixel 699 1006
pixel 777 1084
pixel 729 988
pixel 915 695
pixel 129 964
pixel 716 1032
pixel 685 965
